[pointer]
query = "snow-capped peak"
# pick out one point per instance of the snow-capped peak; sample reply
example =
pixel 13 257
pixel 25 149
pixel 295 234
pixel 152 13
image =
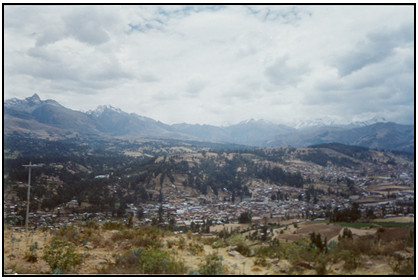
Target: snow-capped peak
pixel 366 122
pixel 12 102
pixel 325 121
pixel 102 108
pixel 254 121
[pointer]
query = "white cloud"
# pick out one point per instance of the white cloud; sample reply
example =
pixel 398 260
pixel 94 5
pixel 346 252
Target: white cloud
pixel 216 64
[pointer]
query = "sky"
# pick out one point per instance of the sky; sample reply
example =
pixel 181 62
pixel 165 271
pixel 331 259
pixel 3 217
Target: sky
pixel 217 64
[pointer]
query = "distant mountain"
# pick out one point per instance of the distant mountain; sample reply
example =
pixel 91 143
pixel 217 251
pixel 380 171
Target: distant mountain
pixel 251 132
pixel 48 119
pixel 48 115
pixel 381 136
pixel 315 123
pixel 115 122
pixel 205 132
pixel 255 132
pixel 330 122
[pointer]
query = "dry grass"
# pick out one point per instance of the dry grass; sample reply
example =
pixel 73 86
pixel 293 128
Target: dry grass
pixel 114 245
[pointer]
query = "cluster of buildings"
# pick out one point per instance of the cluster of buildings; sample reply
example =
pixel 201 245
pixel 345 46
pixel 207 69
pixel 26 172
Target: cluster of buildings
pixel 386 189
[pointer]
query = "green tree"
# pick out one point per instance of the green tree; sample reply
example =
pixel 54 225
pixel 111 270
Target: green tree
pixel 245 218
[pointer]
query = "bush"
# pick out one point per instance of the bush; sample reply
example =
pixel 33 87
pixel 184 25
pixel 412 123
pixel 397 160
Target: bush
pixel 212 266
pixel 31 256
pixel 126 263
pixel 402 266
pixel 189 235
pixel 91 224
pixel 272 250
pixel 146 261
pixel 78 236
pixel 351 261
pixel 239 240
pixel 321 268
pixel 235 239
pixel 61 255
pixel 243 249
pixel 217 244
pixel 245 218
pixel 69 233
pixel 141 237
pixel 195 248
pixel 182 242
pixel 157 261
pixel 261 261
pixel 298 251
pixel 113 225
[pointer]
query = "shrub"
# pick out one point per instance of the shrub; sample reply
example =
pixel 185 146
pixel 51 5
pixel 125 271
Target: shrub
pixel 31 256
pixel 261 261
pixel 69 233
pixel 243 249
pixel 123 235
pixel 141 237
pixel 189 235
pixel 92 224
pixel 182 242
pixel 239 240
pixel 60 254
pixel 245 218
pixel 157 261
pixel 217 244
pixel 402 266
pixel 146 261
pixel 321 268
pixel 113 225
pixel 126 263
pixel 272 250
pixel 235 239
pixel 195 248
pixel 212 265
pixel 298 251
pixel 364 245
pixel 351 261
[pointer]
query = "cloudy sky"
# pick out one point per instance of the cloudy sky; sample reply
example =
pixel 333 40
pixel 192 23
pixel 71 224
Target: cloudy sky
pixel 216 64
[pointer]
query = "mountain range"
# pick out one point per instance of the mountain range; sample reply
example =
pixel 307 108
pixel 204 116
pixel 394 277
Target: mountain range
pixel 38 118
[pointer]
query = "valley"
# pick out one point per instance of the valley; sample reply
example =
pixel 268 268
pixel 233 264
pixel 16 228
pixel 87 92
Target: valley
pixel 209 191
pixel 196 140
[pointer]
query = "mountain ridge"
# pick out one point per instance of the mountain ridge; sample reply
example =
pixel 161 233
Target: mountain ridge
pixel 109 121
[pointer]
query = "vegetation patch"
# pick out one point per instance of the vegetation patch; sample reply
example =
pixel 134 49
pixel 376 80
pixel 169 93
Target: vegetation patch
pixel 61 256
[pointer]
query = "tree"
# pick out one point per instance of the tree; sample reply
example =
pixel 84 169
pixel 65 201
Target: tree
pixel 172 223
pixel 245 218
pixel 121 210
pixel 160 214
pixel 140 213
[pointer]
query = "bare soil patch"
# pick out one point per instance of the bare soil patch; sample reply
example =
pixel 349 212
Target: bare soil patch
pixel 397 219
pixel 303 230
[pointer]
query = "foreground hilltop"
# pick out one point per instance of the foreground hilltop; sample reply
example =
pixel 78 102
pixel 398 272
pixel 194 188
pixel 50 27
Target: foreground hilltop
pixel 111 247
